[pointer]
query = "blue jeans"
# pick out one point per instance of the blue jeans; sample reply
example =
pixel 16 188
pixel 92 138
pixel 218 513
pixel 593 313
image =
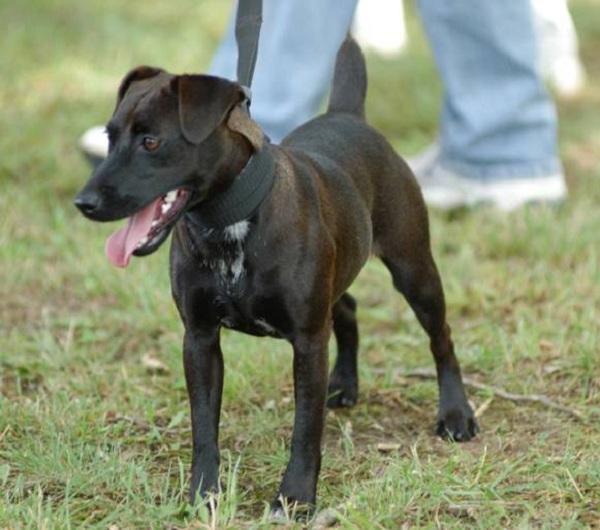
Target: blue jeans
pixel 497 119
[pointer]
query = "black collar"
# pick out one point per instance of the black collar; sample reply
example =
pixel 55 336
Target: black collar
pixel 242 198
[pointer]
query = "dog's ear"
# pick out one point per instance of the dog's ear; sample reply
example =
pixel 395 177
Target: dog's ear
pixel 137 74
pixel 204 101
pixel 240 122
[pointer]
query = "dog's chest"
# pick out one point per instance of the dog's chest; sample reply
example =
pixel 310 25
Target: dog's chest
pixel 241 303
pixel 225 257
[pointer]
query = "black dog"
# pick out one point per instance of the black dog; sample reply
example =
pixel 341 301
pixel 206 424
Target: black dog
pixel 267 239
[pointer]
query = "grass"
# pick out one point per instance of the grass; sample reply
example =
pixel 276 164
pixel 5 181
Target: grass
pixel 93 436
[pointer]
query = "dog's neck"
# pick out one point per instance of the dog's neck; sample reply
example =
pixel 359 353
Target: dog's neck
pixel 241 199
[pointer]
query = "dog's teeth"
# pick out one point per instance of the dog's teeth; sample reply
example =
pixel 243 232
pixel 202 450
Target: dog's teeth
pixel 171 196
pixel 165 207
pixel 142 242
pixel 153 224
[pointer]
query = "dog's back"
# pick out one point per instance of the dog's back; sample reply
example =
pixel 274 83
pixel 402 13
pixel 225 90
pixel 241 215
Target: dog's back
pixel 344 146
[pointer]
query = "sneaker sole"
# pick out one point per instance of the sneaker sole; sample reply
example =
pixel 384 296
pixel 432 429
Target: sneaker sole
pixel 506 195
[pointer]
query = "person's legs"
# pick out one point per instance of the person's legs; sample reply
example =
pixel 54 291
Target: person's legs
pixel 297 48
pixel 497 123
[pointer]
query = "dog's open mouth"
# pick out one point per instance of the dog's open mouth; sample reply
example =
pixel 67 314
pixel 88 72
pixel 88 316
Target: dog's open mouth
pixel 147 229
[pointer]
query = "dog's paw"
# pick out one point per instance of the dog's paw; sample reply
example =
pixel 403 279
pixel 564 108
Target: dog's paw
pixel 342 395
pixel 284 510
pixel 342 390
pixel 458 425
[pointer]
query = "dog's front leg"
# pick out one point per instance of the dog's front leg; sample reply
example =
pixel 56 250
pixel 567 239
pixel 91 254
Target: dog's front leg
pixel 203 364
pixel 299 485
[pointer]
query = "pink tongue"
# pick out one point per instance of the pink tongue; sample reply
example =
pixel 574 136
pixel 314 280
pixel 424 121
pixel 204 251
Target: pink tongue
pixel 120 246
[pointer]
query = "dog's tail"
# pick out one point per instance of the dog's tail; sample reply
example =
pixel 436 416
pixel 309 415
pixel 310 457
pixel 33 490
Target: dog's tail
pixel 349 88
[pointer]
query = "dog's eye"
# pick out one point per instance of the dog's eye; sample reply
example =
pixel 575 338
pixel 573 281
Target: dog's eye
pixel 150 143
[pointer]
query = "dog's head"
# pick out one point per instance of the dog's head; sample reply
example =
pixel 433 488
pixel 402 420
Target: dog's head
pixel 168 138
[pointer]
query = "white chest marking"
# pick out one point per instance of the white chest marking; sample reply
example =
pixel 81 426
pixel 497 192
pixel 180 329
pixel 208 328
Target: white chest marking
pixel 231 270
pixel 237 231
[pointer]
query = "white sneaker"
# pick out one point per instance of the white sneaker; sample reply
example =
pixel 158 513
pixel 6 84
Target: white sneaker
pixel 94 144
pixel 379 27
pixel 447 190
pixel 558 44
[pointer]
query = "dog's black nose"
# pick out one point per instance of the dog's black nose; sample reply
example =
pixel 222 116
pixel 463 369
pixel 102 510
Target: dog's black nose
pixel 87 202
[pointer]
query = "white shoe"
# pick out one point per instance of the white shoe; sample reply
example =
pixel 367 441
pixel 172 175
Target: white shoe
pixel 94 144
pixel 558 45
pixel 447 190
pixel 379 27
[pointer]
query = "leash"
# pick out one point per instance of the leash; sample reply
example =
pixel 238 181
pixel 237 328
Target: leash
pixel 247 32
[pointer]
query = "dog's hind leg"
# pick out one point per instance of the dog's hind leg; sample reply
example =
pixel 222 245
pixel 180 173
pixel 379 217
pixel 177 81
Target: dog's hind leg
pixel 343 381
pixel 416 276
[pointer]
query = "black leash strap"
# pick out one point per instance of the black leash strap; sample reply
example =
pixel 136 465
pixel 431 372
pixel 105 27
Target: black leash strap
pixel 247 32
